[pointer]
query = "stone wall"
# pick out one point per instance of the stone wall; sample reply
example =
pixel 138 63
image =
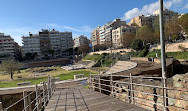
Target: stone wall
pixel 177 101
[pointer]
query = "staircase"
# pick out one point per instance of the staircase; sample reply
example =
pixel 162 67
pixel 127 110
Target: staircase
pixel 121 66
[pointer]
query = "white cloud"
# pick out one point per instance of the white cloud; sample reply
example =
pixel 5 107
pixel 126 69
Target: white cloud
pixel 17 32
pixel 148 9
pixel 85 28
pixel 186 6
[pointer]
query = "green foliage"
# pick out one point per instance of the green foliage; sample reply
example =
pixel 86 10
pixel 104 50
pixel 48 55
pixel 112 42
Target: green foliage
pixel 143 53
pixel 176 55
pixel 70 75
pixel 14 83
pixel 153 53
pixel 107 62
pixel 10 66
pixel 94 57
pixel 183 21
pixel 137 45
pixel 145 33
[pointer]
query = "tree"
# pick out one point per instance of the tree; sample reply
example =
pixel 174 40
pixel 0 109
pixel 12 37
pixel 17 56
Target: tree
pixel 84 49
pixel 10 66
pixel 127 39
pixel 156 34
pixel 183 21
pixel 145 34
pixel 172 29
pixel 137 45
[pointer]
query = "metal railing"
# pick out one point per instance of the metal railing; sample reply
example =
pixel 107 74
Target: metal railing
pixel 41 95
pixel 110 84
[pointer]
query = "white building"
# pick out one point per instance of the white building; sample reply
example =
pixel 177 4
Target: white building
pixel 117 35
pixel 8 47
pixel 105 31
pixel 31 44
pixel 81 41
pixel 56 44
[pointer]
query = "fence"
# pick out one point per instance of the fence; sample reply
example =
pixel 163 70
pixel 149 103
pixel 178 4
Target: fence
pixel 41 97
pixel 110 84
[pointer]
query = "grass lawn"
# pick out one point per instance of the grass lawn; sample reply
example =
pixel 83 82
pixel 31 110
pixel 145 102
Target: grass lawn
pixel 176 55
pixel 59 72
pixel 94 57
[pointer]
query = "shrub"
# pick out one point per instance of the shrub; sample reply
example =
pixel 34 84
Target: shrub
pixel 137 45
pixel 143 53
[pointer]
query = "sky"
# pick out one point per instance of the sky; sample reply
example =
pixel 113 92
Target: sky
pixel 19 17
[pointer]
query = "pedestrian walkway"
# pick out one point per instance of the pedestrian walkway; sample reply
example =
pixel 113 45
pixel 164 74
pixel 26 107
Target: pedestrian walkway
pixel 74 97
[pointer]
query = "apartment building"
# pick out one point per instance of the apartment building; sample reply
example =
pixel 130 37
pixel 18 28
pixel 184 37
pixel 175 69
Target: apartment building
pixel 48 43
pixel 31 44
pixel 105 31
pixel 117 35
pixel 142 20
pixel 66 43
pixel 167 14
pixel 95 36
pixel 45 45
pixel 81 41
pixel 8 48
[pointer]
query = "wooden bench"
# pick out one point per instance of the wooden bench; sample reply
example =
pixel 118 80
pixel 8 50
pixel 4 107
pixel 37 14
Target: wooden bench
pixel 79 76
pixel 24 83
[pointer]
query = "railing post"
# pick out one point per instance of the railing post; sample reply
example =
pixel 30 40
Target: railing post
pixel 29 102
pixel 48 88
pixel 99 84
pixel 89 79
pixel 40 99
pixel 111 84
pixel 131 89
pixel 1 106
pixel 25 101
pixel 37 99
pixel 44 98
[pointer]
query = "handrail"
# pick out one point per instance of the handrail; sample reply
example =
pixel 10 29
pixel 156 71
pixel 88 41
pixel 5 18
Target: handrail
pixel 104 83
pixel 41 98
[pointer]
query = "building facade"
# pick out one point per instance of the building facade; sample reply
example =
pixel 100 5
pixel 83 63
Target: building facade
pixel 167 14
pixel 95 37
pixel 81 41
pixel 117 35
pixel 48 43
pixel 8 47
pixel 142 20
pixel 31 44
pixel 105 31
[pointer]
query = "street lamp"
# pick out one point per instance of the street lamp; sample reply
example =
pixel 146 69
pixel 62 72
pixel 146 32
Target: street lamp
pixel 163 57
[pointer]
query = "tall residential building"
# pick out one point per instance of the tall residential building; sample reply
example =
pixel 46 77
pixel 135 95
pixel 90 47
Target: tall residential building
pixel 66 43
pixel 45 46
pixel 8 48
pixel 168 14
pixel 81 41
pixel 142 20
pixel 31 44
pixel 117 35
pixel 48 43
pixel 105 31
pixel 95 36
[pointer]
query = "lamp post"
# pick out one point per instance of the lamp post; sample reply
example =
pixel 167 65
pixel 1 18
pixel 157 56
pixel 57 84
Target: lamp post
pixel 163 57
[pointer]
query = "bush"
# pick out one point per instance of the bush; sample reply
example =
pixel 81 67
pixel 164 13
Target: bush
pixel 137 45
pixel 143 53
